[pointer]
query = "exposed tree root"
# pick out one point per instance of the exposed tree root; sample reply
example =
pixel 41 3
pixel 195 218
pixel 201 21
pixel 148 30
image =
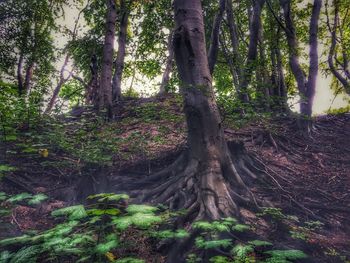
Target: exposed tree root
pixel 209 189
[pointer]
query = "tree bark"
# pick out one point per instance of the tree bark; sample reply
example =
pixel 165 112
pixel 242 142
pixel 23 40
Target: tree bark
pixel 262 71
pixel 307 86
pixel 206 179
pixel 343 78
pixel 62 79
pixel 61 82
pixel 245 72
pixel 306 107
pixel 214 39
pixel 168 67
pixel 91 94
pixel 254 27
pixel 210 162
pixel 281 82
pixel 105 92
pixel 28 77
pixel 237 58
pixel 119 62
pixel 19 75
pixel 279 89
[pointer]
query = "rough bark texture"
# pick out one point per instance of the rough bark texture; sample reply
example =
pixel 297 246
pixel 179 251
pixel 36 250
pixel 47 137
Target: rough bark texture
pixel 105 92
pixel 306 86
pixel 169 65
pixel 214 39
pixel 205 134
pixel 119 62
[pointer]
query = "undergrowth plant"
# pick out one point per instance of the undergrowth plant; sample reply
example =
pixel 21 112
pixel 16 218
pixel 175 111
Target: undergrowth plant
pixel 91 233
pixel 9 202
pixel 221 236
pixel 100 231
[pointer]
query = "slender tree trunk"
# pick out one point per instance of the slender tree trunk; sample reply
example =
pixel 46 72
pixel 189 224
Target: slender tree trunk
pixel 306 106
pixel 214 39
pixel 294 63
pixel 61 82
pixel 279 89
pixel 105 92
pixel 282 82
pixel 237 58
pixel 230 63
pixel 169 65
pixel 264 82
pixel 28 77
pixel 19 75
pixel 254 27
pixel 91 93
pixel 119 62
pixel 62 79
pixel 344 79
pixel 245 72
pixel 306 87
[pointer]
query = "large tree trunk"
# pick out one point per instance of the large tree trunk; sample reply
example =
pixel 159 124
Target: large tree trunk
pixel 105 92
pixel 119 62
pixel 209 185
pixel 169 65
pixel 207 179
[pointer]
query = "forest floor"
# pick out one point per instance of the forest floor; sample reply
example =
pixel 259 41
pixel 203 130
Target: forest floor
pixel 73 156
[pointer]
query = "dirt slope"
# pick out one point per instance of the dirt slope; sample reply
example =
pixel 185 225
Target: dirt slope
pixel 308 177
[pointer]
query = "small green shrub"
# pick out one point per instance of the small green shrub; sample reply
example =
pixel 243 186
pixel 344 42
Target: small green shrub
pixel 87 233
